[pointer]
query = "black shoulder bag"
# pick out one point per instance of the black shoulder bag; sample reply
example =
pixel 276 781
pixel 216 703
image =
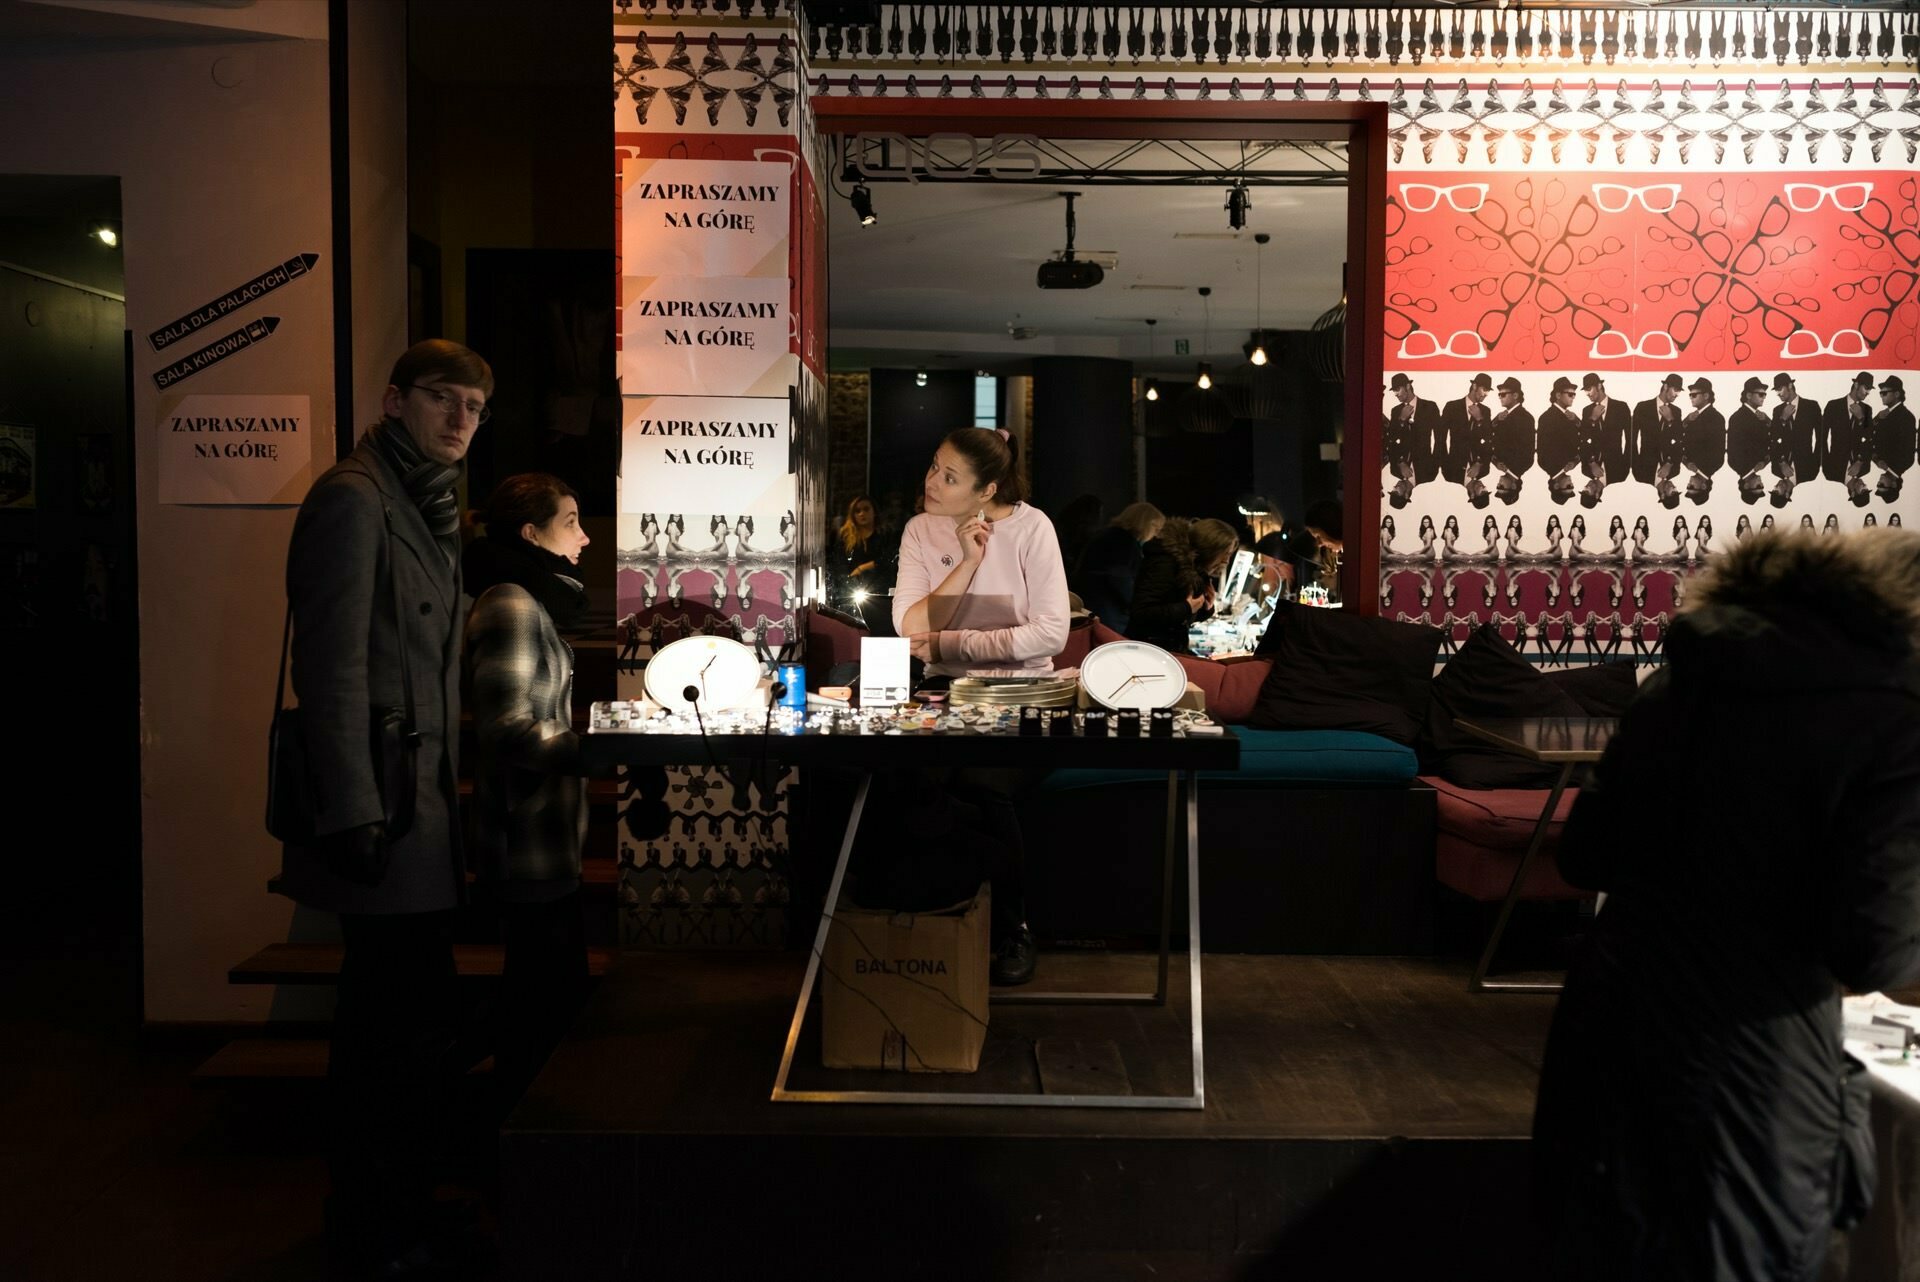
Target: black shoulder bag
pixel 395 742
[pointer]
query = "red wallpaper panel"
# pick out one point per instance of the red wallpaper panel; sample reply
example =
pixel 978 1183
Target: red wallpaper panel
pixel 1546 271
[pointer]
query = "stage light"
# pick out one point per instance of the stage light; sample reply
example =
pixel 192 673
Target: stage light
pixel 1238 203
pixel 862 201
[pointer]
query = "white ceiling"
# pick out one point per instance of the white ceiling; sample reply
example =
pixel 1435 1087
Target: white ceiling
pixel 949 267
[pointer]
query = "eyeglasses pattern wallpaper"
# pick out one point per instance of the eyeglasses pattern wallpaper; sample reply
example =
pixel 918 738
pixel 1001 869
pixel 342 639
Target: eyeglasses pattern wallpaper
pixel 1653 282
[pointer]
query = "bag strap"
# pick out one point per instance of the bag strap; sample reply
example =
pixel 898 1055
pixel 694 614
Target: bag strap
pixel 400 635
pixel 286 642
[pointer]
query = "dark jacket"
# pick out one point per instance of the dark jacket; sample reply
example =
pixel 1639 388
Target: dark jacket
pixel 1846 437
pixel 530 798
pixel 1703 440
pixel 1656 439
pixel 1460 425
pixel 1893 438
pixel 1747 430
pixel 1106 573
pixel 1407 436
pixel 1608 437
pixel 346 665
pixel 1690 1114
pixel 1160 613
pixel 1794 438
pixel 1559 433
pixel 1513 439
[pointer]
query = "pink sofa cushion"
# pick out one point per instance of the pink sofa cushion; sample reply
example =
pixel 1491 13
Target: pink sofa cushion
pixel 1483 833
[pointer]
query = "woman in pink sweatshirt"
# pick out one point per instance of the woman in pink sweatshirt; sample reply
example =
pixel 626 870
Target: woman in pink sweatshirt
pixel 982 592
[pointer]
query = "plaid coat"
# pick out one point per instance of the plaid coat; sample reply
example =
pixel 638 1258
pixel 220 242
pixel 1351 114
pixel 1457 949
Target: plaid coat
pixel 531 799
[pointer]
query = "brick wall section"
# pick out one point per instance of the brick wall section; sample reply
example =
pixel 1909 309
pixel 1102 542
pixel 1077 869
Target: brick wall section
pixel 847 434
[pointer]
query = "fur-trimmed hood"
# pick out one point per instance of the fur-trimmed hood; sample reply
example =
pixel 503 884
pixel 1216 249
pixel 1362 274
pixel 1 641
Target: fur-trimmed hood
pixel 1807 609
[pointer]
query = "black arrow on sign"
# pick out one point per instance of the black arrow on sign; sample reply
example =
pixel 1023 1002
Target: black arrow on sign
pixel 218 350
pixel 233 300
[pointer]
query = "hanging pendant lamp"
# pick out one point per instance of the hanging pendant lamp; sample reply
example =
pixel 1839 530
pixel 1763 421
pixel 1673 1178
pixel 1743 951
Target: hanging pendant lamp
pixel 1150 389
pixel 1202 409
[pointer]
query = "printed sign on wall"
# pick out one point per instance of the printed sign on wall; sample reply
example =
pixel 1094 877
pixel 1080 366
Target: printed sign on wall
pixel 703 453
pixel 714 336
pixel 233 300
pixel 235 449
pixel 705 217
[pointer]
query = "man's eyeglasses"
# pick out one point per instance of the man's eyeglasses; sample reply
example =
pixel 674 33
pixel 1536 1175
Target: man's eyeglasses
pixel 448 403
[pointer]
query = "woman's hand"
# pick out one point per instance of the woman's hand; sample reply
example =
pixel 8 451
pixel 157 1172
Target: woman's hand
pixel 1200 600
pixel 974 532
pixel 924 646
pixel 859 569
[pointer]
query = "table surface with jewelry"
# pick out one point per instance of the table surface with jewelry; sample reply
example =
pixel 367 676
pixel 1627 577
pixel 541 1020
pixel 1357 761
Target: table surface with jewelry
pixel 911 734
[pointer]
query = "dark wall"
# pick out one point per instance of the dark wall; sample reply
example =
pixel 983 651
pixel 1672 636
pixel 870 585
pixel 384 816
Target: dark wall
pixel 1082 431
pixel 904 425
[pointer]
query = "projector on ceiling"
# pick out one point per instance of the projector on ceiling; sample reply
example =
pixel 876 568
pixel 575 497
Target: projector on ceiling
pixel 1071 273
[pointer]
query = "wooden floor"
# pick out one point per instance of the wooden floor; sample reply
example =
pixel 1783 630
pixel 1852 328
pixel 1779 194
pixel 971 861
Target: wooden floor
pixel 1364 1115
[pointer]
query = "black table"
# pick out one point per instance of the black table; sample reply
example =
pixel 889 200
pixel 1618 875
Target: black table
pixel 1181 756
pixel 1562 741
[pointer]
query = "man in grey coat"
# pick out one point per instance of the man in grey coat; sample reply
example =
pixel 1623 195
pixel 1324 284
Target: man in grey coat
pixel 373 581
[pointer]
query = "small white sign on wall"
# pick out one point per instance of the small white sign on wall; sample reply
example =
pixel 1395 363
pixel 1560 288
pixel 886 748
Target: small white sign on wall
pixel 703 453
pixel 705 336
pixel 235 449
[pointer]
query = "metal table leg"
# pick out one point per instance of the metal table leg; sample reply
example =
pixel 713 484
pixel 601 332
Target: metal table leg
pixel 1196 1099
pixel 1480 983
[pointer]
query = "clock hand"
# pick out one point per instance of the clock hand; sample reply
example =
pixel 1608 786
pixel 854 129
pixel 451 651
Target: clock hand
pixel 1122 686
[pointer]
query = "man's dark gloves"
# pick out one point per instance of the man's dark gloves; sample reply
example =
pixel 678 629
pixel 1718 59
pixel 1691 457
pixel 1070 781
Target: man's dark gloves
pixel 358 855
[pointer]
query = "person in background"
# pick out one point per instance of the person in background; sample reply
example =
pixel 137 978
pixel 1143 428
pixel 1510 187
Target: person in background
pixel 373 586
pixel 530 798
pixel 1698 1117
pixel 1074 526
pixel 862 557
pixel 1325 522
pixel 982 592
pixel 1112 560
pixel 1175 587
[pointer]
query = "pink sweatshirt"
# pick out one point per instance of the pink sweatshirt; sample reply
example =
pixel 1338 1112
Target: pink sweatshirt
pixel 1013 619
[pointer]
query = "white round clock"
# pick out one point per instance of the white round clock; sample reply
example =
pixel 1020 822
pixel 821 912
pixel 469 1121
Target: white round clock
pixel 1132 674
pixel 724 673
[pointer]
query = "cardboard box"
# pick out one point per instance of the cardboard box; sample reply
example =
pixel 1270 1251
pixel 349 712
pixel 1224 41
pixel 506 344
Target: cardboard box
pixel 906 990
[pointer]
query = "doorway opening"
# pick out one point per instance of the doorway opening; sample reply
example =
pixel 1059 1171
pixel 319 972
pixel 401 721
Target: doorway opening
pixel 1187 343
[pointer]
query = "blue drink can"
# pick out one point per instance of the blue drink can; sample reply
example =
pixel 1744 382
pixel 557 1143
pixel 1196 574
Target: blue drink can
pixel 794 677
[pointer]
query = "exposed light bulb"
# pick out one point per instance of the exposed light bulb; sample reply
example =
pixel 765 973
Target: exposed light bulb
pixel 1259 356
pixel 1205 380
pixel 920 378
pixel 1153 390
pixel 106 236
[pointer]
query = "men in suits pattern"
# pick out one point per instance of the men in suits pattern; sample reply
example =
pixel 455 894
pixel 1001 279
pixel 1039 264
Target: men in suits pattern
pixel 1894 439
pixel 1747 432
pixel 1607 431
pixel 1846 439
pixel 1460 421
pixel 1656 440
pixel 1406 438
pixel 1512 442
pixel 1793 452
pixel 1558 435
pixel 1703 440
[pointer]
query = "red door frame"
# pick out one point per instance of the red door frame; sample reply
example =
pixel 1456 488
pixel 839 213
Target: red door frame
pixel 1362 125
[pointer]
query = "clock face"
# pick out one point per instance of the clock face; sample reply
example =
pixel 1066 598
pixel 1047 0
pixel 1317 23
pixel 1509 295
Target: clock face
pixel 1132 674
pixel 725 672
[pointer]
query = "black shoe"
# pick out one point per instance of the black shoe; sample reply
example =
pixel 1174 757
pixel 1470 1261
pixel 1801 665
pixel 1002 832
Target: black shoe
pixel 1014 958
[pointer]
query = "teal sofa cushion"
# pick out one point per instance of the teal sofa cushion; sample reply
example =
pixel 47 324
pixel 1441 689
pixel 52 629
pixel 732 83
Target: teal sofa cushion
pixel 1337 757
